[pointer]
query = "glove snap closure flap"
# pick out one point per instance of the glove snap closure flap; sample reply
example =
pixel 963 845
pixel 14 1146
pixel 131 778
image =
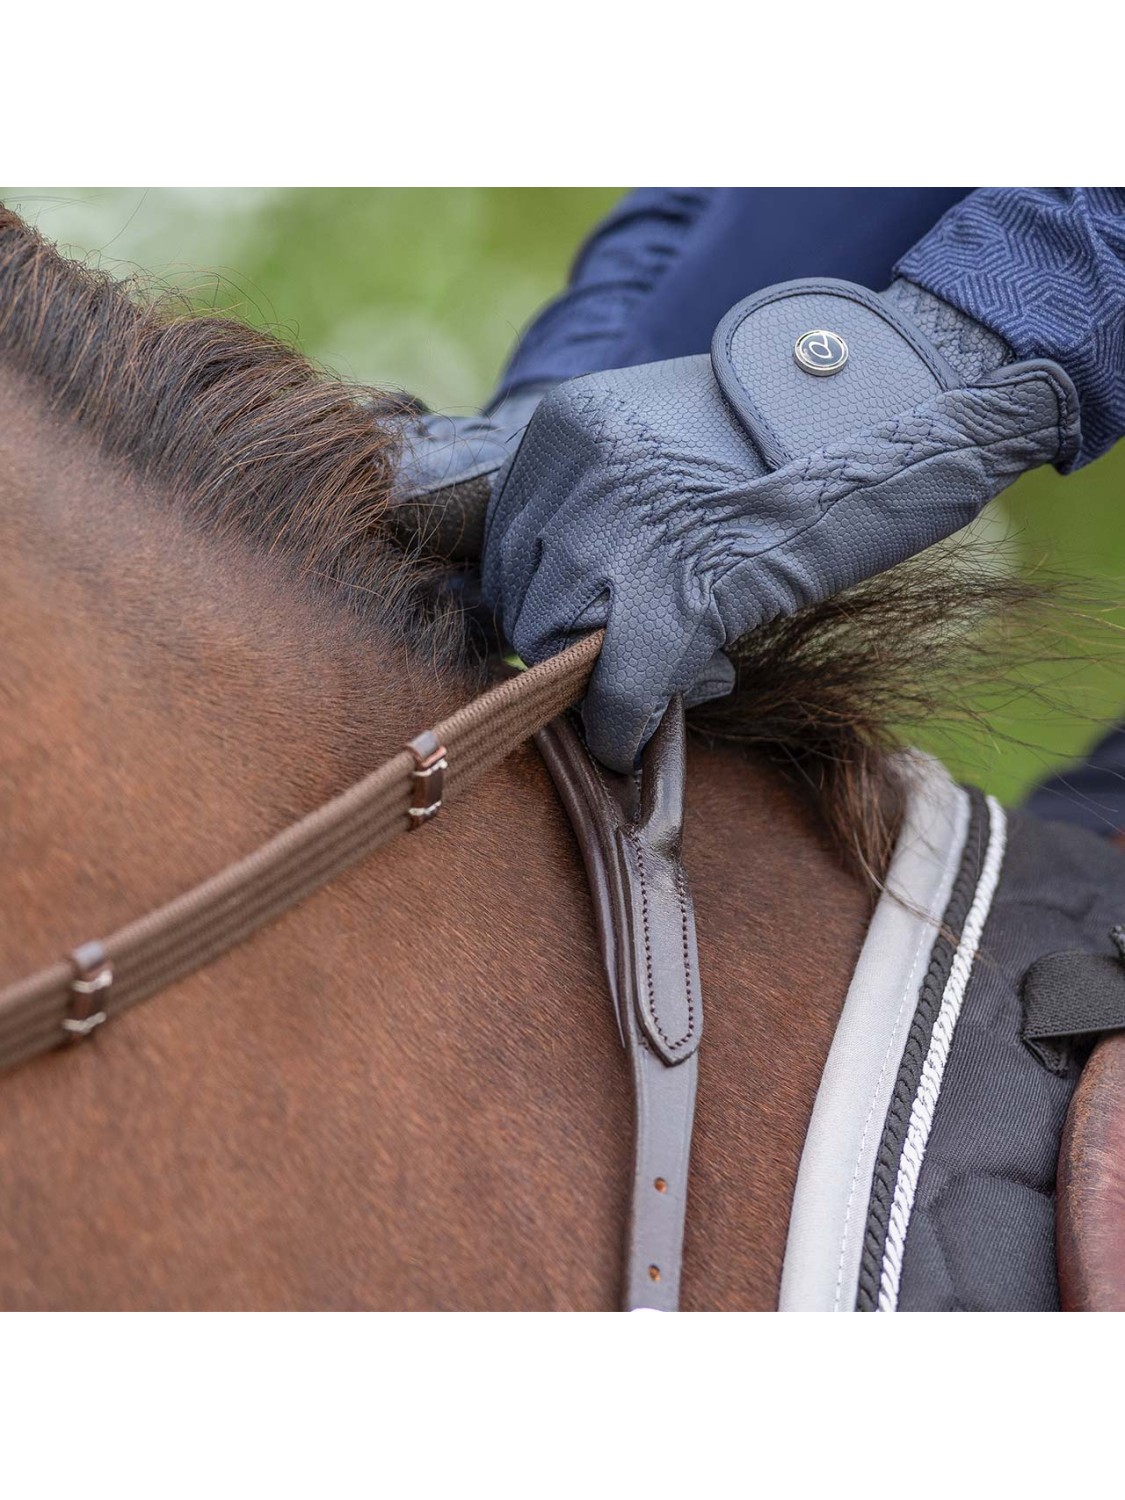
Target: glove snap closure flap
pixel 869 366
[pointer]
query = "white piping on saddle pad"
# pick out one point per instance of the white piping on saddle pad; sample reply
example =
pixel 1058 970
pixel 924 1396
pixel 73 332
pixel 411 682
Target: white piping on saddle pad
pixel 933 1069
pixel 829 1213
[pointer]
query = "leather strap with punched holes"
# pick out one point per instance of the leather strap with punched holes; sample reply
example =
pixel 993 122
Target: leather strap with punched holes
pixel 630 830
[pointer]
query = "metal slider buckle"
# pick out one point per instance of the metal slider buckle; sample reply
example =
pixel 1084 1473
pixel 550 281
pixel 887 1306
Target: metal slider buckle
pixel 93 975
pixel 428 779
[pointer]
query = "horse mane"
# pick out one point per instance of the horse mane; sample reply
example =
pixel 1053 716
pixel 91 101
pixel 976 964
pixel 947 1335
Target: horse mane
pixel 250 438
pixel 833 692
pixel 239 429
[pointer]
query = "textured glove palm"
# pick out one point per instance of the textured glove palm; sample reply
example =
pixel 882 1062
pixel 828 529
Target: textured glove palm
pixel 685 503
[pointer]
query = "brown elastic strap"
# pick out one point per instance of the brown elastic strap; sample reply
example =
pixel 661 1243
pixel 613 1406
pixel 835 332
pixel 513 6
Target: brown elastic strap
pixel 201 925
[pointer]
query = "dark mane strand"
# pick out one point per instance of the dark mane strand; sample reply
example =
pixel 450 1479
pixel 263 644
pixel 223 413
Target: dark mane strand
pixel 834 691
pixel 240 429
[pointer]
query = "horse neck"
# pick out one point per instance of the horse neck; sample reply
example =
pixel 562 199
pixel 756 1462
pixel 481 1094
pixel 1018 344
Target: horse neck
pixel 171 698
pixel 420 1062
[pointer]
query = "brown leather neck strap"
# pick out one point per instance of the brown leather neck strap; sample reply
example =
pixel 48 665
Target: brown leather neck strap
pixel 76 995
pixel 630 831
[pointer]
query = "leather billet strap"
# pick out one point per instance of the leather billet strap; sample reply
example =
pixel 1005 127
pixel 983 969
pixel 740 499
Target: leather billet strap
pixel 69 999
pixel 630 831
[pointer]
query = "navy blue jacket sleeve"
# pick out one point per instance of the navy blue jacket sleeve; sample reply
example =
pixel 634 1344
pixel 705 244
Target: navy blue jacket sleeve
pixel 1045 269
pixel 660 271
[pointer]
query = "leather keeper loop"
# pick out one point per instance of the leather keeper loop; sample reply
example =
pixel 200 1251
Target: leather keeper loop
pixel 428 780
pixel 93 978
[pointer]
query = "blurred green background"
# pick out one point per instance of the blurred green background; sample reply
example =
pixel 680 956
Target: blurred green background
pixel 426 290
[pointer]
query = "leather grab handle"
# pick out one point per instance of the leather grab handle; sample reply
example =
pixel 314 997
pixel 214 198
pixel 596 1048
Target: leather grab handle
pixel 630 831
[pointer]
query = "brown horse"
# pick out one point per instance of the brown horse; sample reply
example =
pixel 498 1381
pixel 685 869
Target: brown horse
pixel 408 1093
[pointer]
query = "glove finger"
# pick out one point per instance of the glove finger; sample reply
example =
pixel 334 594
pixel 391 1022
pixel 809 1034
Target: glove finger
pixel 511 551
pixel 565 597
pixel 543 486
pixel 639 671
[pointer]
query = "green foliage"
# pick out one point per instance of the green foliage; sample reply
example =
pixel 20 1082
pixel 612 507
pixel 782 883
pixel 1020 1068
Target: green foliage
pixel 1071 530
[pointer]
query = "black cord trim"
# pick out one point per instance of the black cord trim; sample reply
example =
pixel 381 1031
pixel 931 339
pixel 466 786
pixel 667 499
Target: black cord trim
pixel 914 1054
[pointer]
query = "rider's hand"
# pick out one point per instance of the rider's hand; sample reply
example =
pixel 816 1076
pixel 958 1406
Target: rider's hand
pixel 685 503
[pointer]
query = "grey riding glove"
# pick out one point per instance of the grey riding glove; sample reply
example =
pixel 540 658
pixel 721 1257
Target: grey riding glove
pixel 684 503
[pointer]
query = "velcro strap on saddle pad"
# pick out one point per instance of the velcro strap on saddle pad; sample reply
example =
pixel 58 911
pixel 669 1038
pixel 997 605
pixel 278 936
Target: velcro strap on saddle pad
pixel 1071 997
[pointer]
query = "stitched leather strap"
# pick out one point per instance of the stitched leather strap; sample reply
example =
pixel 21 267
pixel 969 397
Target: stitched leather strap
pixel 98 981
pixel 630 831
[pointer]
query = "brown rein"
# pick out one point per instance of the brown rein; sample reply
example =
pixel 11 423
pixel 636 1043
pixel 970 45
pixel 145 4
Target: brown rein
pixel 72 997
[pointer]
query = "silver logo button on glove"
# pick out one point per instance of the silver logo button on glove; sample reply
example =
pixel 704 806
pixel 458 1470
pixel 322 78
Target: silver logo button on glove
pixel 820 352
